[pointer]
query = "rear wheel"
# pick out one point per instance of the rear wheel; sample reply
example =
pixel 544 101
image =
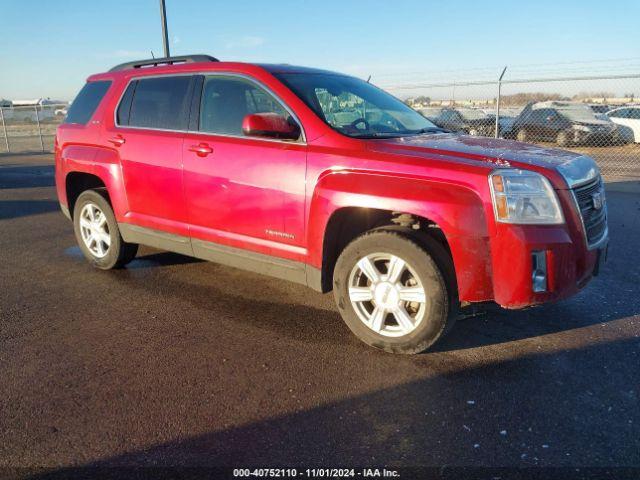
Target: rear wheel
pixel 522 135
pixel 97 232
pixel 562 139
pixel 392 293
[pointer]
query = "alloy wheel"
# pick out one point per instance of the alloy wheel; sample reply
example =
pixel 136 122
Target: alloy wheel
pixel 387 294
pixel 94 230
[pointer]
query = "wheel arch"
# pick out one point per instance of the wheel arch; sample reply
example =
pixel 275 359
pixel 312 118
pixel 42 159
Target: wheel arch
pixel 452 214
pixel 78 182
pixel 102 171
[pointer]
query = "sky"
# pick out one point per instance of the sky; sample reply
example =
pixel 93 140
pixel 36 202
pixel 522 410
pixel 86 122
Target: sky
pixel 48 48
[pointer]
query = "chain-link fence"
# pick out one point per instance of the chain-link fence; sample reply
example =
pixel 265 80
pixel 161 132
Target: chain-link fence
pixel 30 128
pixel 595 115
pixel 598 116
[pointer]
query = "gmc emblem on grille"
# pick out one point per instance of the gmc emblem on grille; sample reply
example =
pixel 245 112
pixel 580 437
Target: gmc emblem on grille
pixel 596 198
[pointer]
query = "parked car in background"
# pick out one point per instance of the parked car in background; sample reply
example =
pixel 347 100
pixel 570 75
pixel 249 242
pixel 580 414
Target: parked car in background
pixel 565 123
pixel 628 118
pixel 62 110
pixel 507 118
pixel 459 119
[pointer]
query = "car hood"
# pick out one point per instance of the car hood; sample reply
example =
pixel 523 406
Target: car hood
pixel 575 168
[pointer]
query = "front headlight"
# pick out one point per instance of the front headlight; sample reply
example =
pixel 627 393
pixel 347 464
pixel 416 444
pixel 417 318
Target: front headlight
pixel 524 197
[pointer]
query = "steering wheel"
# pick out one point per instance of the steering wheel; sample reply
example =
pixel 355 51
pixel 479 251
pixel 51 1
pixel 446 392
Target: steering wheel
pixel 358 121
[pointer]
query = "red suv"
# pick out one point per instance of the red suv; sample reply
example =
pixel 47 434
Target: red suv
pixel 325 180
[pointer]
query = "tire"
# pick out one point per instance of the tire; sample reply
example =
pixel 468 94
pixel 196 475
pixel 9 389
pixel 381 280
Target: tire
pixel 562 139
pixel 369 307
pixel 522 135
pixel 100 239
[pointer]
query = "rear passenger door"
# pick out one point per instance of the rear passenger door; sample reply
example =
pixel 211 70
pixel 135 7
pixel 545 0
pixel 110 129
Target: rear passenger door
pixel 150 125
pixel 246 192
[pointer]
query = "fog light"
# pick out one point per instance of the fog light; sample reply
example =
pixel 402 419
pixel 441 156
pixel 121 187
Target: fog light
pixel 539 270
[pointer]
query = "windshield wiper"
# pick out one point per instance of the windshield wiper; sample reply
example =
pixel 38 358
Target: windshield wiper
pixel 379 135
pixel 401 134
pixel 432 130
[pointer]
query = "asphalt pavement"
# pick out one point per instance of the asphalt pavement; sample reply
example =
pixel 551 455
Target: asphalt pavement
pixel 179 362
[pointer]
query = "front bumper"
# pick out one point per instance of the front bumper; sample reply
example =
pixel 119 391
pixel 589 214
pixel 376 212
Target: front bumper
pixel 569 264
pixel 595 137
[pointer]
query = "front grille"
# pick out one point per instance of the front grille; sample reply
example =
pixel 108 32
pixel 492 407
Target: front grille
pixel 594 220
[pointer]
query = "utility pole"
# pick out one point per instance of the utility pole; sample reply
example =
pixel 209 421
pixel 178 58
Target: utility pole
pixel 165 33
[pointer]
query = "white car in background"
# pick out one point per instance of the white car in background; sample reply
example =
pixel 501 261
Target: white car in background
pixel 628 117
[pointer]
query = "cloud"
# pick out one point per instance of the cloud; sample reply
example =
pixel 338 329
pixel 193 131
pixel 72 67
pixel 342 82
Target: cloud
pixel 245 42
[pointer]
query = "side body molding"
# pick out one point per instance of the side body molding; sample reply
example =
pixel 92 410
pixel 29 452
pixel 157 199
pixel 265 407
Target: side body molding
pixel 297 272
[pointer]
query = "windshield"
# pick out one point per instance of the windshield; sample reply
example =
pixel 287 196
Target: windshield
pixel 509 112
pixel 354 107
pixel 430 112
pixel 578 113
pixel 471 114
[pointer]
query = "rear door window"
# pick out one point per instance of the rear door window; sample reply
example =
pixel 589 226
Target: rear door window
pixel 87 101
pixel 161 103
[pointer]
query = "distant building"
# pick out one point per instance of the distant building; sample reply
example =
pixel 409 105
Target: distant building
pixel 33 102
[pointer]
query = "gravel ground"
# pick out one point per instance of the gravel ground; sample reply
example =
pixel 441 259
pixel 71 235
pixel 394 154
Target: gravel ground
pixel 177 362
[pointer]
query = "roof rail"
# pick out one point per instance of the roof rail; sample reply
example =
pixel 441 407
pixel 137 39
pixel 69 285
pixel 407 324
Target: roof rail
pixel 154 62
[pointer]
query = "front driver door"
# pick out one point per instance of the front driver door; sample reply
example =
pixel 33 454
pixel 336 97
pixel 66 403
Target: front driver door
pixel 241 191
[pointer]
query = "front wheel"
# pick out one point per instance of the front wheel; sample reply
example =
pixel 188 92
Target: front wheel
pixel 97 232
pixel 392 293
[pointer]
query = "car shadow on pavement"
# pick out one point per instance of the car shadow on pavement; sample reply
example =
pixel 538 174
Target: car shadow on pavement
pixel 27 176
pixel 576 407
pixel 23 208
pixel 246 306
pixel 160 259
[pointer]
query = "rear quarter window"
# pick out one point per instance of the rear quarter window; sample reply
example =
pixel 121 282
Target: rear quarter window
pixel 87 101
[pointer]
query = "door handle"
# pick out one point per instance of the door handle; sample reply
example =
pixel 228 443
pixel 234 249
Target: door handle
pixel 118 140
pixel 202 149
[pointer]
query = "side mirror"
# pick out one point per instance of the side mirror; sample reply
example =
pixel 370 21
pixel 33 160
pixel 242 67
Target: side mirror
pixel 550 118
pixel 270 125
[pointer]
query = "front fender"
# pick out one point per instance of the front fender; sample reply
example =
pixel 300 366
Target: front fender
pixel 457 209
